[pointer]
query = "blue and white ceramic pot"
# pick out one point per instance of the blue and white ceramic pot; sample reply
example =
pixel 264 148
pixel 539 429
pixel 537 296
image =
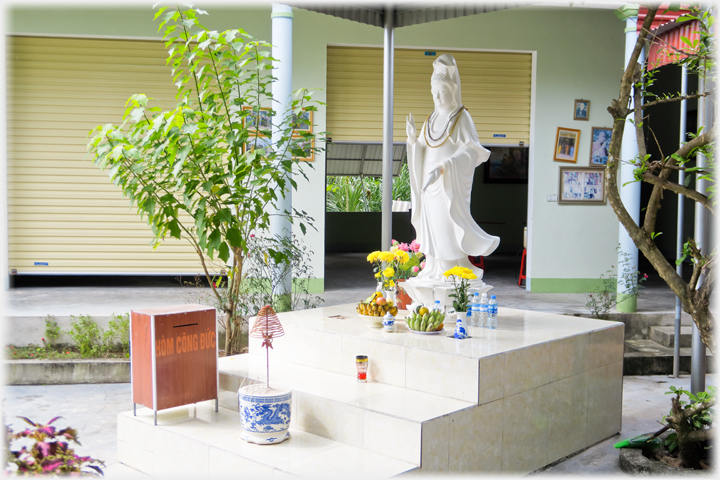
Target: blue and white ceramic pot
pixel 460 331
pixel 264 414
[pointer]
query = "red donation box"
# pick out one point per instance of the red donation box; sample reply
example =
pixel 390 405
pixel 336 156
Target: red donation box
pixel 173 355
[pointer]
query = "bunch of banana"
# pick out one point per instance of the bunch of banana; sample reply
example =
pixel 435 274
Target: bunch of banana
pixel 423 320
pixel 376 306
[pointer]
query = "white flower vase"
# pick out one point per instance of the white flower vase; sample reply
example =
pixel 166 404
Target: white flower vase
pixel 264 414
pixel 460 332
pixel 390 293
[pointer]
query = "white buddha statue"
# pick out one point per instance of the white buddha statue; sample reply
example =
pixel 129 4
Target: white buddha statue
pixel 442 162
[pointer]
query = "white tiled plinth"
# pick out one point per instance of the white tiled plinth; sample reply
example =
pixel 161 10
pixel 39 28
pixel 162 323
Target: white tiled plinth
pixel 195 441
pixel 508 401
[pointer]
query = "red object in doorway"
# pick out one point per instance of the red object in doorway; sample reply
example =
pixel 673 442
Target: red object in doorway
pixel 478 263
pixel 522 268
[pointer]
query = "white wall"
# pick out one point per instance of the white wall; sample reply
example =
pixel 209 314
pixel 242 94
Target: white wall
pixel 579 54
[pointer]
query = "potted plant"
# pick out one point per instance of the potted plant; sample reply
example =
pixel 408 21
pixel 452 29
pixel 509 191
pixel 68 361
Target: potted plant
pixel 203 172
pixel 265 411
pixel 686 447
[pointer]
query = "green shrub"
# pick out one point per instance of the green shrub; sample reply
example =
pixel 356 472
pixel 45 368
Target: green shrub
pixel 86 334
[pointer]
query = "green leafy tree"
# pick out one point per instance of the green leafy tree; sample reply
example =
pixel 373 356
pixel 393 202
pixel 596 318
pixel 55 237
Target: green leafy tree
pixel 202 171
pixel 698 57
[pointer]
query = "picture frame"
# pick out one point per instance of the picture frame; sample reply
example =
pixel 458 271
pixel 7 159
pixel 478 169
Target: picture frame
pixel 250 119
pixel 259 141
pixel 507 164
pixel 309 148
pixel 566 145
pixel 600 145
pixel 581 110
pixel 304 120
pixel 582 185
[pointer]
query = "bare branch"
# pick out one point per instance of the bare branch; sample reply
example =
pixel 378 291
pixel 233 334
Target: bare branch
pixel 690 193
pixel 671 99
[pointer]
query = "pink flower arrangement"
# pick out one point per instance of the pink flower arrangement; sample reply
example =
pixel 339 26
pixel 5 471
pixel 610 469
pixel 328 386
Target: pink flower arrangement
pixel 413 266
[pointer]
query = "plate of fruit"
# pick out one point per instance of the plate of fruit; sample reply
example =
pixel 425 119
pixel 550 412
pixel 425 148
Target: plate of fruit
pixel 425 322
pixel 374 308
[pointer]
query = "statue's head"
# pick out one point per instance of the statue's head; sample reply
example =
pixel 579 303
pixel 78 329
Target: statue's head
pixel 445 83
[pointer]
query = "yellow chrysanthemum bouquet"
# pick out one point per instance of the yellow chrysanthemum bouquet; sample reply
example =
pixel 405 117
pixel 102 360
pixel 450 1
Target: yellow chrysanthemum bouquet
pixel 460 277
pixel 388 266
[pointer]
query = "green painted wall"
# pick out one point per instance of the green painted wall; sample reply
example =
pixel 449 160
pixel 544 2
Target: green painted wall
pixel 579 54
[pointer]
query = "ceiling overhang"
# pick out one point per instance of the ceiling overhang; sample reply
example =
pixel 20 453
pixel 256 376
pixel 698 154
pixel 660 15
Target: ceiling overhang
pixel 405 14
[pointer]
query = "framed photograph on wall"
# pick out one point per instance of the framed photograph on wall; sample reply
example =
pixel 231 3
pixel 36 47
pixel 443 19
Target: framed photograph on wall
pixel 581 110
pixel 582 185
pixel 260 141
pixel 507 165
pixel 600 147
pixel 251 119
pixel 566 145
pixel 308 149
pixel 304 120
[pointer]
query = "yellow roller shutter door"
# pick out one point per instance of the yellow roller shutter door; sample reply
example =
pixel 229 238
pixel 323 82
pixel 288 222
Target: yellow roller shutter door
pixel 65 215
pixel 496 89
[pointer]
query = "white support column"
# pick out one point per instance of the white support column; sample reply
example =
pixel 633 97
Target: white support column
pixel 387 165
pixel 630 194
pixel 282 17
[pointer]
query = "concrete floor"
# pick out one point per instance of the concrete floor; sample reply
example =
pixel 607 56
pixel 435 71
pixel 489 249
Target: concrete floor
pixel 92 409
pixel 348 278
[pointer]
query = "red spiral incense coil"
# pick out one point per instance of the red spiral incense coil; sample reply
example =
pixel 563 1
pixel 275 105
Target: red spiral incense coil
pixel 267 326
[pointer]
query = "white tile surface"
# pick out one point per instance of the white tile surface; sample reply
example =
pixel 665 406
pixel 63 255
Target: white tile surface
pixel 567 407
pixel 435 445
pixel 526 368
pixel 492 379
pixel 337 421
pixel 568 356
pixel 606 346
pixel 604 412
pixel 524 432
pixel 452 376
pixel 476 437
pixel 392 437
pixel 343 461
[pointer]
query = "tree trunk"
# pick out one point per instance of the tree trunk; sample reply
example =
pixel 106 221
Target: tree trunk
pixel 694 302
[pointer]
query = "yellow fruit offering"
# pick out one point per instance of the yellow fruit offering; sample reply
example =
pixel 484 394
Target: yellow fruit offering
pixel 423 311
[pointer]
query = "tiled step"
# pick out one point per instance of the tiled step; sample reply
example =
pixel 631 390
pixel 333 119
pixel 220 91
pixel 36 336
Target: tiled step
pixel 195 441
pixel 380 418
pixel 665 336
pixel 646 357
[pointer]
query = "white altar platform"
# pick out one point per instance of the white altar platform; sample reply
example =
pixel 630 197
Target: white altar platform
pixel 505 401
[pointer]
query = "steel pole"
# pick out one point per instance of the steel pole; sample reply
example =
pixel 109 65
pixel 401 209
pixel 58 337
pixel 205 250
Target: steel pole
pixel 387 165
pixel 680 224
pixel 698 360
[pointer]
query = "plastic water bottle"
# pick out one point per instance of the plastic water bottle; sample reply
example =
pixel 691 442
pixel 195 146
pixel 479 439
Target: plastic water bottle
pixel 437 306
pixel 475 307
pixel 492 312
pixel 483 311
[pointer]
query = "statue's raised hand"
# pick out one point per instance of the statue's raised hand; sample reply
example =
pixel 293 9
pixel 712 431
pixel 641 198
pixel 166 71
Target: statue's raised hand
pixel 410 129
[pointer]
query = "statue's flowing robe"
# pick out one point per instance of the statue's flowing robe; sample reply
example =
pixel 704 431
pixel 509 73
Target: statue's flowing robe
pixel 445 229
